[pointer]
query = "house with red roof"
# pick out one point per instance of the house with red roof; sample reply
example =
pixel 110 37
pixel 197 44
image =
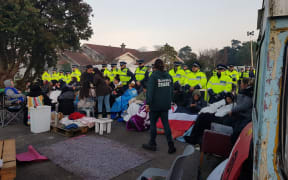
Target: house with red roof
pixel 98 54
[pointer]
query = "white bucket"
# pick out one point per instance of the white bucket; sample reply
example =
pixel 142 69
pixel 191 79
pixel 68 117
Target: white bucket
pixel 40 119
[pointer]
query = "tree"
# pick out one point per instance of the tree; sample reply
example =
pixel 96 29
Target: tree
pixel 243 56
pixel 186 54
pixel 208 59
pixel 33 32
pixel 168 55
pixel 236 44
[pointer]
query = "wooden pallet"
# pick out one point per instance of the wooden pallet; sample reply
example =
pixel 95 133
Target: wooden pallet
pixel 8 155
pixel 70 132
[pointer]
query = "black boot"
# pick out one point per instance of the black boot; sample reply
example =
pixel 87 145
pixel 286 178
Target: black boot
pixel 150 147
pixel 172 148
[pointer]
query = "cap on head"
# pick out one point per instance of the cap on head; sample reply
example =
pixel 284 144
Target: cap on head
pixel 61 71
pixel 122 63
pixel 196 64
pixel 177 63
pixel 54 69
pixel 113 65
pixel 230 65
pixel 104 65
pixel 140 61
pixel 74 66
pixel 221 67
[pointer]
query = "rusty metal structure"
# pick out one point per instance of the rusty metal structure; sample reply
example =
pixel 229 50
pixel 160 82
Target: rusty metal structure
pixel 270 111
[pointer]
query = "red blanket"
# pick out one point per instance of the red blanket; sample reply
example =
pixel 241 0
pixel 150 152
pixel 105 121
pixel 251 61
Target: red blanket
pixel 179 123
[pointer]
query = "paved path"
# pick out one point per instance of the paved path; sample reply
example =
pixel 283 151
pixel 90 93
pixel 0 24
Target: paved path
pixel 49 171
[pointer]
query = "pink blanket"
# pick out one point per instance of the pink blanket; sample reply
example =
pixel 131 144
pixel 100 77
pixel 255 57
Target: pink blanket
pixel 31 155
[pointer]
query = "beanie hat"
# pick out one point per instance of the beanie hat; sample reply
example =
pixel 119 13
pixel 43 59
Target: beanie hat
pixel 196 92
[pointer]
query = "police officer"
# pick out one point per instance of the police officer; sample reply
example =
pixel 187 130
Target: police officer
pixel 177 73
pixel 186 71
pixel 126 76
pixel 76 72
pixel 46 76
pixel 151 69
pixel 195 79
pixel 251 72
pixel 233 74
pixel 61 75
pixel 159 98
pixel 55 75
pixel 113 73
pixel 246 72
pixel 219 85
pixel 141 73
pixel 214 72
pixel 67 77
pixel 105 70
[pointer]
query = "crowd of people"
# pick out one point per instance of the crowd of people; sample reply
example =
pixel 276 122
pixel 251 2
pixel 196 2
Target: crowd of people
pixel 225 98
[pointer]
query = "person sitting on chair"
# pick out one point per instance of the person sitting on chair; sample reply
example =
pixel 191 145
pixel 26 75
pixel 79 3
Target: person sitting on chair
pixel 13 95
pixel 15 98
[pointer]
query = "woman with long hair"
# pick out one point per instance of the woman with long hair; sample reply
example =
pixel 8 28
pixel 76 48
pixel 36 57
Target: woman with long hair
pixel 159 98
pixel 102 93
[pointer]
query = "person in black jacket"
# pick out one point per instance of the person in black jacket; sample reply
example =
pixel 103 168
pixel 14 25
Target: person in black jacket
pixel 66 100
pixel 159 98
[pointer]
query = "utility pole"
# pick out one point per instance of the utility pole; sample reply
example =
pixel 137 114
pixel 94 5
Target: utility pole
pixel 251 34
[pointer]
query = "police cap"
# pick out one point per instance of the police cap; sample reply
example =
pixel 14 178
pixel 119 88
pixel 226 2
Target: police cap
pixel 104 65
pixel 196 64
pixel 177 63
pixel 122 63
pixel 221 66
pixel 113 65
pixel 140 61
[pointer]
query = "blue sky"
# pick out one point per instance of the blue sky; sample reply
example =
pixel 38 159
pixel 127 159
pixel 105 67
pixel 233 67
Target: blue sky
pixel 201 24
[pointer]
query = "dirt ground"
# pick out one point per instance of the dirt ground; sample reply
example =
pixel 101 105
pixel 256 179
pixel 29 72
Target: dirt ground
pixel 49 171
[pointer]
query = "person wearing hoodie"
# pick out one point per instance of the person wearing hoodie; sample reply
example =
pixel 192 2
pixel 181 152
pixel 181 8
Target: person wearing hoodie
pixel 216 112
pixel 196 102
pixel 241 114
pixel 159 98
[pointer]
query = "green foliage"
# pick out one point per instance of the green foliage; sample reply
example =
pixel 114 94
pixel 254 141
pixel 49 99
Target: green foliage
pixel 32 32
pixel 187 55
pixel 168 55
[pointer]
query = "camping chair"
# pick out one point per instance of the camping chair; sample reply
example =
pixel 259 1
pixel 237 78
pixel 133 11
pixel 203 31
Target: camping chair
pixel 176 170
pixel 9 112
pixel 216 141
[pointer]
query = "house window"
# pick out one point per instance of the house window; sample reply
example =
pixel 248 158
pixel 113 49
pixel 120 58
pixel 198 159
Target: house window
pixel 283 125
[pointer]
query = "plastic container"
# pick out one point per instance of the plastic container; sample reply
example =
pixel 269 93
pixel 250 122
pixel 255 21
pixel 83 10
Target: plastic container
pixel 40 119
